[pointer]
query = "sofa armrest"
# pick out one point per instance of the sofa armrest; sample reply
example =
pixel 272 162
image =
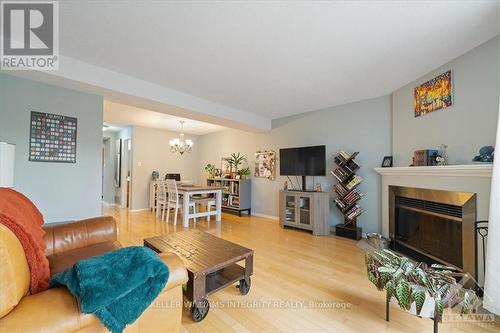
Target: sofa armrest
pixel 53 310
pixel 61 237
pixel 177 272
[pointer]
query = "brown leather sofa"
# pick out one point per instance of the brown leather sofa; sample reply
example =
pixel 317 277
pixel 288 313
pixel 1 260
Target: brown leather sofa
pixel 56 310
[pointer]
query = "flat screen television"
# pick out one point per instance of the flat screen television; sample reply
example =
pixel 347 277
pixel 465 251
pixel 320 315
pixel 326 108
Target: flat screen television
pixel 303 161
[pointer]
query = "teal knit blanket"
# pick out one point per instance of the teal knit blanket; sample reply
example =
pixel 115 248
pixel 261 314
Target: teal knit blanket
pixel 117 286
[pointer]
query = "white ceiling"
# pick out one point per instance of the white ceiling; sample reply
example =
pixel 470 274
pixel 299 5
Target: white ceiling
pixel 119 115
pixel 275 58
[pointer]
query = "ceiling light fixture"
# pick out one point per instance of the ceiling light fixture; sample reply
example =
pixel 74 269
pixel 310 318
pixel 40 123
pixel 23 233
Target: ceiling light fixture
pixel 181 145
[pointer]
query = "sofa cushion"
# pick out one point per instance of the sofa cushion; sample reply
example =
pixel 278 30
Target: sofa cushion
pixel 61 261
pixel 66 236
pixel 14 271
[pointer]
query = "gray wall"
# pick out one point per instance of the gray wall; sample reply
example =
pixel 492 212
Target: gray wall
pixel 61 191
pixel 467 125
pixel 150 151
pixel 362 126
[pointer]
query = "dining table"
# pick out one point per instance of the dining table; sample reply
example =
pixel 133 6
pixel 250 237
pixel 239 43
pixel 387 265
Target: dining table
pixel 189 190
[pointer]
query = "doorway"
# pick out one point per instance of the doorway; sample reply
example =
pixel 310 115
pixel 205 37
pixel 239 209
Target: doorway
pixel 107 188
pixel 126 196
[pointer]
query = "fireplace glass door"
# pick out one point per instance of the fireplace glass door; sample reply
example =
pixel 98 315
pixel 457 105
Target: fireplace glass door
pixel 429 234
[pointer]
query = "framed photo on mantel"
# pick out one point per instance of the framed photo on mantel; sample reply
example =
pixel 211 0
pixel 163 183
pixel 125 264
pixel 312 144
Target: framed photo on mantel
pixel 387 162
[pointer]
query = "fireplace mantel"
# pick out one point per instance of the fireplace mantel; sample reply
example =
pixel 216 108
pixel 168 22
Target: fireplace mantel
pixel 475 178
pixel 472 170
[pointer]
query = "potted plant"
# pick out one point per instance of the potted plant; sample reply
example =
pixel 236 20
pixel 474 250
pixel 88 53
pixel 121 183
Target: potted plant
pixel 210 169
pixel 419 289
pixel 244 173
pixel 235 160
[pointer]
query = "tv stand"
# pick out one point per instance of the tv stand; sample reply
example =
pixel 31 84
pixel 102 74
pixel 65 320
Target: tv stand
pixel 294 190
pixel 305 210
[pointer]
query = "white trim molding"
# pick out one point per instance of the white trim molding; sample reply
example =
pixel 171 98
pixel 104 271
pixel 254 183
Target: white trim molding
pixel 139 210
pixel 475 178
pixel 271 217
pixel 469 170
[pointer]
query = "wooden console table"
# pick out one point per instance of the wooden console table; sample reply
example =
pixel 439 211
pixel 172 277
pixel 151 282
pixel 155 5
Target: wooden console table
pixel 305 210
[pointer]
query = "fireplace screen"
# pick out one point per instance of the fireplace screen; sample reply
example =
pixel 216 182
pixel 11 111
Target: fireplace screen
pixel 436 236
pixel 433 226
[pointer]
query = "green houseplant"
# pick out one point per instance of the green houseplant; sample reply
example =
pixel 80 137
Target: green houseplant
pixel 234 161
pixel 210 169
pixel 245 172
pixel 414 283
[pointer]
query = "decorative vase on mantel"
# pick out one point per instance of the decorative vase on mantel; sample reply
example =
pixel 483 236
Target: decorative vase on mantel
pixel 443 158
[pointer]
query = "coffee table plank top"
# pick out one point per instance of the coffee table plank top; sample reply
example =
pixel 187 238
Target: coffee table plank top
pixel 200 251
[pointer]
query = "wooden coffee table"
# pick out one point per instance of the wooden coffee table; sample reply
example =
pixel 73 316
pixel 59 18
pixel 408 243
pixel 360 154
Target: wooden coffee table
pixel 211 263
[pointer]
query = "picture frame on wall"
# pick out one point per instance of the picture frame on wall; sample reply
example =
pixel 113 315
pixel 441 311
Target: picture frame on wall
pixel 52 138
pixel 434 94
pixel 217 173
pixel 265 164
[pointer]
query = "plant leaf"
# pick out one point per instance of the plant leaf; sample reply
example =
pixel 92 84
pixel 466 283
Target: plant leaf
pixel 368 258
pixel 466 304
pixel 419 297
pixel 385 269
pixel 438 310
pixel 397 273
pixel 372 278
pixel 383 278
pixel 390 289
pixel 403 294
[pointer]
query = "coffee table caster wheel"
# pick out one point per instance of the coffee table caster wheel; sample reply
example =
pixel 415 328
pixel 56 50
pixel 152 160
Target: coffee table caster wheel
pixel 198 313
pixel 244 286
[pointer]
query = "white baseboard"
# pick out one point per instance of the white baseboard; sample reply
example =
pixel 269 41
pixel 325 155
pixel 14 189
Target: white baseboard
pixel 138 210
pixel 272 217
pixel 107 204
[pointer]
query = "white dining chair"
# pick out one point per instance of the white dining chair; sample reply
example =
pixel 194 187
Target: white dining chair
pixel 161 198
pixel 174 202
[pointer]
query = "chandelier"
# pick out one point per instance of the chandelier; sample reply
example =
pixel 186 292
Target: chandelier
pixel 181 145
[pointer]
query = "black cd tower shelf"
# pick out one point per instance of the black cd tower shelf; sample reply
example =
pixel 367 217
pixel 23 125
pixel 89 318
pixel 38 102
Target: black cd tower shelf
pixel 348 194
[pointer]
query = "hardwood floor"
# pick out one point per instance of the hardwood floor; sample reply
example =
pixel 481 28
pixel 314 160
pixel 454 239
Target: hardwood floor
pixel 301 283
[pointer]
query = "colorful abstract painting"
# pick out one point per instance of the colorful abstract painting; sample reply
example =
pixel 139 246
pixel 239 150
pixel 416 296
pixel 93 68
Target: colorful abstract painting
pixel 52 138
pixel 434 94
